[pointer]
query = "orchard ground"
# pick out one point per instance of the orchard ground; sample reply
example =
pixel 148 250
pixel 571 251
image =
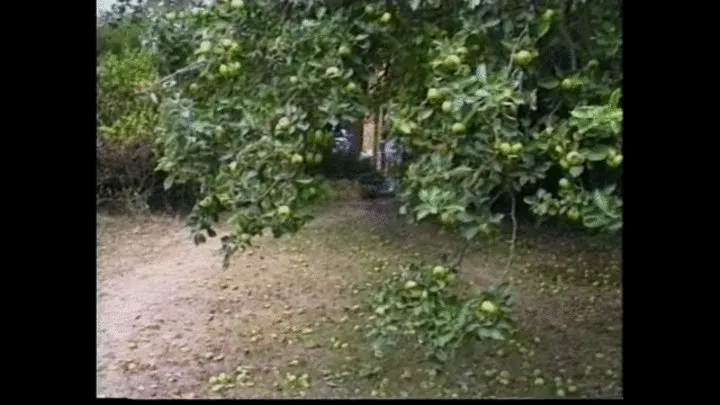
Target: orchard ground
pixel 287 319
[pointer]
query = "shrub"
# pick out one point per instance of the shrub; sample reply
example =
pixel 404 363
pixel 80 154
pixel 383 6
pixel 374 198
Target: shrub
pixel 124 174
pixel 127 118
pixel 419 303
pixel 125 112
pixel 119 38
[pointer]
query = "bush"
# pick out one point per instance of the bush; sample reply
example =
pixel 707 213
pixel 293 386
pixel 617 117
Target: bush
pixel 127 118
pixel 420 303
pixel 125 174
pixel 119 38
pixel 125 111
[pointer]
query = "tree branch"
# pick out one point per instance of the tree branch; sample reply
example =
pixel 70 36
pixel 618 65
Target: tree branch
pixel 188 68
pixel 513 239
pixel 562 27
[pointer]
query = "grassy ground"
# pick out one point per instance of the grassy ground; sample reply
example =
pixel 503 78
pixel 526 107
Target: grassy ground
pixel 568 298
pixel 293 315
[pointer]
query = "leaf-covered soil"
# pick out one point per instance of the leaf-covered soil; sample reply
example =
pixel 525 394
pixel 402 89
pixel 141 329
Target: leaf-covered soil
pixel 287 319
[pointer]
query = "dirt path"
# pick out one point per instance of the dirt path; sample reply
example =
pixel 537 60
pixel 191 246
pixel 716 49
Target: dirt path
pixel 151 304
pixel 169 317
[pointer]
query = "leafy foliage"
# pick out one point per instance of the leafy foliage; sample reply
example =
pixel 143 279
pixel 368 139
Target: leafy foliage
pixel 127 118
pixel 124 109
pixel 119 38
pixel 491 122
pixel 489 99
pixel 251 122
pixel 419 303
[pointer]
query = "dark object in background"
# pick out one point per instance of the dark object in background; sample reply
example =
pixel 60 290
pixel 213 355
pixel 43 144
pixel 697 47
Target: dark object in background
pixel 178 200
pixel 346 143
pixel 377 190
pixel 343 161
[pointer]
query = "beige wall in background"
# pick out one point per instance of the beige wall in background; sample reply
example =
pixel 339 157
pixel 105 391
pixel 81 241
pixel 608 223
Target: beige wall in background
pixel 368 136
pixel 371 139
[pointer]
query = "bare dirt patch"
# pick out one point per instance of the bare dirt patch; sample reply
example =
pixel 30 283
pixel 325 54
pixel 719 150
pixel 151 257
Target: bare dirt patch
pixel 150 290
pixel 287 319
pixel 169 317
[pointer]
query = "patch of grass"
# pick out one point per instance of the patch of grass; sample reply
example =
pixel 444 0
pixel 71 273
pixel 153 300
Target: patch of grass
pixel 343 190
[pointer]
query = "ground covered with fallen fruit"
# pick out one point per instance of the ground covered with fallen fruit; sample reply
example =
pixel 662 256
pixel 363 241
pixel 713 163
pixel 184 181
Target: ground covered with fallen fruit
pixel 290 317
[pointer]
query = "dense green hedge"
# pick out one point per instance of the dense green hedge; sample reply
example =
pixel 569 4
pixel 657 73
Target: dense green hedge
pixel 119 37
pixel 126 117
pixel 125 111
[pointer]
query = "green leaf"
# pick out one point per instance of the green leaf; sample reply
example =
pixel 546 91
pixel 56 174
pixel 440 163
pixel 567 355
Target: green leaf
pixel 470 232
pixel 422 213
pixel 487 333
pixel 482 93
pixel 168 182
pixel 594 221
pixel 576 171
pixel 489 23
pixel 483 333
pixel 615 226
pixel 481 73
pixel 585 112
pixel 548 83
pixel 601 201
pixel 443 340
pixel 543 27
pixel 597 153
pixel 464 217
pixel 426 114
pixel 472 4
pixel 459 171
pixel 472 327
pixel 496 218
pixel 496 334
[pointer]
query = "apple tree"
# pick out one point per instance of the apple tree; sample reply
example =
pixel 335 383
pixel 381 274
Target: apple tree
pixel 248 117
pixel 490 99
pixel 504 99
